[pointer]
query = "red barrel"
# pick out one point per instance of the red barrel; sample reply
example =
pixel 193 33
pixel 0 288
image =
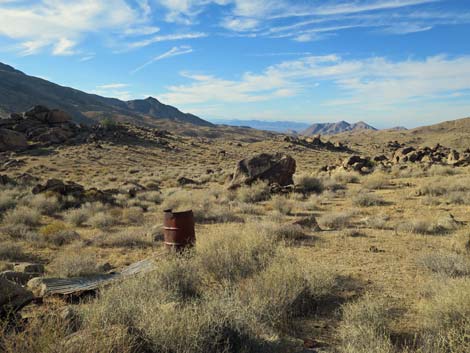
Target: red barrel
pixel 178 230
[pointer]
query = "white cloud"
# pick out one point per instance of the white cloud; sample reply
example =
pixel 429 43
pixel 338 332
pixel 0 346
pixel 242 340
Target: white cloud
pixel 61 24
pixel 113 86
pixel 175 51
pixel 373 84
pixel 166 38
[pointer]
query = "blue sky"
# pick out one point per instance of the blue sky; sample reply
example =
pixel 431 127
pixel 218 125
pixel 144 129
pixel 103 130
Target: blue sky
pixel 388 62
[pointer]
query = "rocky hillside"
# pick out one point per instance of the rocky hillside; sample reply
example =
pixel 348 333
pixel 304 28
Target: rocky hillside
pixel 336 128
pixel 19 92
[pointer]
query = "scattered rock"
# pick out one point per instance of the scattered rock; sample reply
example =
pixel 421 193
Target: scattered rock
pixel 12 297
pixel 12 141
pixel 27 267
pixel 186 181
pixel 316 143
pixel 278 168
pixel 18 277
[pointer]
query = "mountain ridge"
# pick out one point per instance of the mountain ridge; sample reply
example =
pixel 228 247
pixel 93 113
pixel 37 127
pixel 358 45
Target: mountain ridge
pixel 336 128
pixel 19 92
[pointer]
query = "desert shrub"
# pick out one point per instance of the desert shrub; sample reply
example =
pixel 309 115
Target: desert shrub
pixel 77 216
pixel 256 192
pixel 7 199
pixel 336 220
pixel 285 290
pixel 377 221
pixel 132 215
pixel 342 176
pixel 281 204
pixel 365 327
pixel 461 243
pixel 367 200
pixel 426 226
pixel 52 228
pixel 208 212
pixel 376 181
pixel 45 204
pixel 11 252
pixel 309 184
pixel 151 196
pixel 247 208
pixel 445 316
pixel 72 263
pixel 22 216
pixel 442 170
pixel 233 252
pixel 353 233
pixel 126 238
pixel 282 231
pixel 449 264
pixel 312 203
pixel 443 187
pixel 103 220
pixel 457 198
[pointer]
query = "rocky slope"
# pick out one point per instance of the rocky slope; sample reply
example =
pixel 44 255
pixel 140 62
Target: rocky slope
pixel 19 92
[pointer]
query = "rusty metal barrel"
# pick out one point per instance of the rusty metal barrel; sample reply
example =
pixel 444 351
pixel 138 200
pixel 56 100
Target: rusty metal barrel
pixel 178 230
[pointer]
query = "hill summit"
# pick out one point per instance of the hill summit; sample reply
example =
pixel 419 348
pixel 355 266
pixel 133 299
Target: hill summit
pixel 336 128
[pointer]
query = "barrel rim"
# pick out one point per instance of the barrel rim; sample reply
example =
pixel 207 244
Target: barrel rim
pixel 168 211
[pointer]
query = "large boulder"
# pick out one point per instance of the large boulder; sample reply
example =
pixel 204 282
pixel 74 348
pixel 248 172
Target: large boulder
pixel 12 297
pixel 58 116
pixel 273 168
pixel 12 141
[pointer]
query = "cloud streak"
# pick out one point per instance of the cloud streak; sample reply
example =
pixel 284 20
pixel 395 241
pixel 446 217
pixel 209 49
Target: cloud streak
pixel 175 51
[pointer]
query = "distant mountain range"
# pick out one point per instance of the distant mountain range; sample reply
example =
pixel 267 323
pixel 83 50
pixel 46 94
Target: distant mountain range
pixel 277 126
pixel 336 128
pixel 19 92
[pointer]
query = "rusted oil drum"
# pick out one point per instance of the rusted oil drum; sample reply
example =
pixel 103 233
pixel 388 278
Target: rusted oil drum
pixel 178 230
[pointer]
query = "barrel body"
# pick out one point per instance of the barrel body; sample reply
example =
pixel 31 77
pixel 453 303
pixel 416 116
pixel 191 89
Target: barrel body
pixel 178 230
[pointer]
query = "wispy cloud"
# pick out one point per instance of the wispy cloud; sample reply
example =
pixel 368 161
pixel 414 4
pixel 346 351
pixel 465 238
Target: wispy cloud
pixel 167 37
pixel 175 51
pixel 113 86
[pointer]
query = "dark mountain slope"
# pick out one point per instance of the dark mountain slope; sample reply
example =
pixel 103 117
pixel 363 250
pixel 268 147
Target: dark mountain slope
pixel 18 92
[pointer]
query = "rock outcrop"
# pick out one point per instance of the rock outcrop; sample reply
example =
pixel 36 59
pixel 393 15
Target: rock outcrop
pixel 273 168
pixel 316 143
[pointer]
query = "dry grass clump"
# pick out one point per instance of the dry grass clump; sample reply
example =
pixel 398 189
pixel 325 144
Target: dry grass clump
pixel 57 233
pixel 8 199
pixel 442 187
pixel 77 216
pixel 379 221
pixel 10 251
pixel 256 192
pixel 426 226
pixel 449 264
pixel 365 327
pixel 445 316
pixel 309 184
pixel 336 220
pixel 284 290
pixel 281 204
pixel 227 295
pixel 127 238
pixel 133 215
pixel 22 216
pixel 103 220
pixel 376 181
pixel 442 170
pixel 345 177
pixel 231 253
pixel 282 231
pixel 367 200
pixel 45 204
pixel 74 263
